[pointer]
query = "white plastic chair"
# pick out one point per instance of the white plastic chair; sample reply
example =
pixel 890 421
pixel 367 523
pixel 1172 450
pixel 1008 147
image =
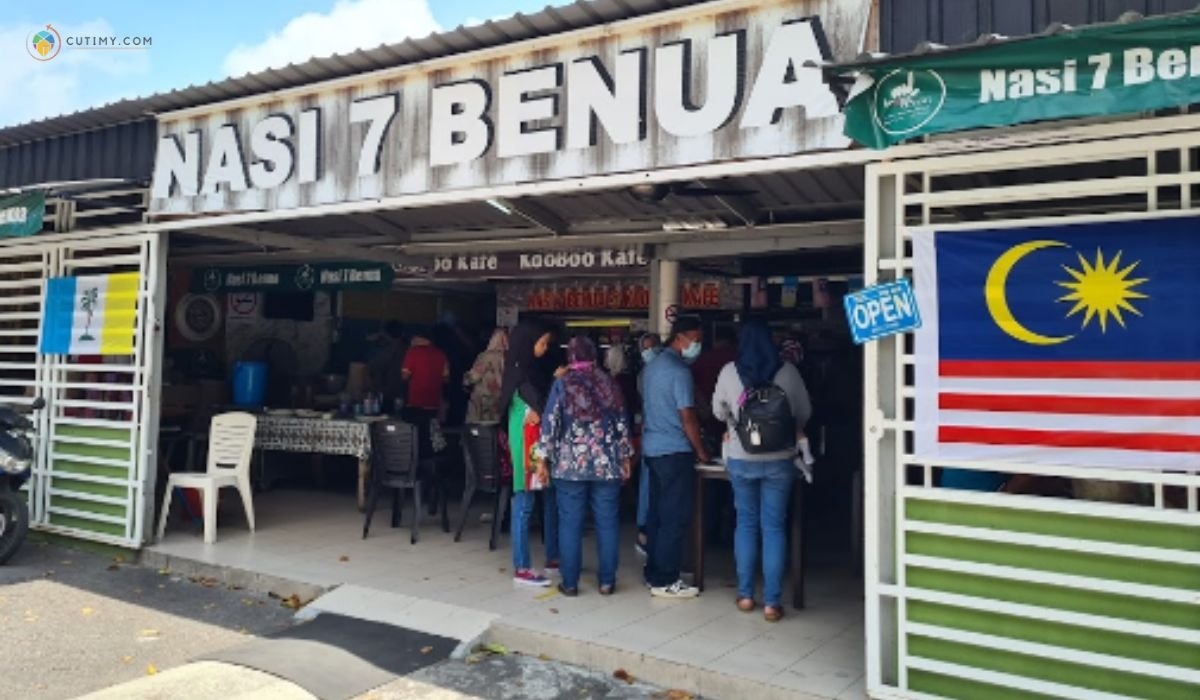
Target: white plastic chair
pixel 230 446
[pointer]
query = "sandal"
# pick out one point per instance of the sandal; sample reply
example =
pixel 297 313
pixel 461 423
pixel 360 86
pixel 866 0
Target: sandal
pixel 772 613
pixel 745 604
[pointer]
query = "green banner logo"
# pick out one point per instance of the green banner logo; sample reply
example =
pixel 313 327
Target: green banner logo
pixel 906 100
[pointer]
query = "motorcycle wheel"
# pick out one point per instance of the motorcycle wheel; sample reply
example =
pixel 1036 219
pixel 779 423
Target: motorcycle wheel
pixel 14 522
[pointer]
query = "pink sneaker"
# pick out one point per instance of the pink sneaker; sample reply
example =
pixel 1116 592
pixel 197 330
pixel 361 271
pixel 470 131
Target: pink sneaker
pixel 529 577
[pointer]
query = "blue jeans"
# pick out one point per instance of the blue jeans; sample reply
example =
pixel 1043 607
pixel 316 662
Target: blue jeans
pixel 761 492
pixel 574 498
pixel 672 478
pixel 643 510
pixel 522 512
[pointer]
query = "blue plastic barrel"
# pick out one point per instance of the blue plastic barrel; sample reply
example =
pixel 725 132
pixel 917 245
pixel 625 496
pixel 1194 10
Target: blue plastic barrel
pixel 249 384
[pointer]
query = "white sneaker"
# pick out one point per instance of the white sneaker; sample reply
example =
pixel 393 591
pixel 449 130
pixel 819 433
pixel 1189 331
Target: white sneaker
pixel 677 590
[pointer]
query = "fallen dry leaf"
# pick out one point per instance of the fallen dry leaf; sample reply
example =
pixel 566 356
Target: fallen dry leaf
pixel 553 611
pixel 127 659
pixel 164 571
pixel 674 694
pixel 148 634
pixel 543 657
pixel 426 650
pixel 114 567
pixel 87 612
pixel 292 602
pixel 119 559
pixel 547 595
pixel 623 675
pixel 151 669
pixel 343 558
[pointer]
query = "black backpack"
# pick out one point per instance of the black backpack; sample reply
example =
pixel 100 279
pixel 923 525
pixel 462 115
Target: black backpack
pixel 765 422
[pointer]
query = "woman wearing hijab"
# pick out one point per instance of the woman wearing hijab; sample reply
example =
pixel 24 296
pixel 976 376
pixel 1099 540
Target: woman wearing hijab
pixel 523 396
pixel 762 483
pixel 586 442
pixel 485 378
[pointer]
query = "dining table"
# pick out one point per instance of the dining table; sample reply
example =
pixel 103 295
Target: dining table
pixel 716 471
pixel 319 436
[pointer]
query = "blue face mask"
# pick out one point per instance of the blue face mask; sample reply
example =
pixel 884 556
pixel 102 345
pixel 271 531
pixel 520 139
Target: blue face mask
pixel 691 352
pixel 649 354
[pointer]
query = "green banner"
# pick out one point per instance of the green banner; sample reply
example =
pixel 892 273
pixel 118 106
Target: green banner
pixel 293 278
pixel 22 214
pixel 1105 69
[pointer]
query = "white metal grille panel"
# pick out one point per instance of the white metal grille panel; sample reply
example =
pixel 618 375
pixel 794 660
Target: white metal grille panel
pixel 991 593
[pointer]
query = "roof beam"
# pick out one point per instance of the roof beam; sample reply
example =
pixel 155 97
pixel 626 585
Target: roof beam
pixel 537 214
pixel 380 225
pixel 742 207
pixel 331 248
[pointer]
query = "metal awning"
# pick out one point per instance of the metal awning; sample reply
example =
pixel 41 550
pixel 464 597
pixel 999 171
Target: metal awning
pixel 765 206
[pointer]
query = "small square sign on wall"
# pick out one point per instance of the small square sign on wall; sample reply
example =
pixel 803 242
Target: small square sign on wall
pixel 882 310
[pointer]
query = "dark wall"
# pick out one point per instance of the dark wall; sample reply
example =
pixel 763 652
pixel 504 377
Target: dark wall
pixel 906 23
pixel 124 151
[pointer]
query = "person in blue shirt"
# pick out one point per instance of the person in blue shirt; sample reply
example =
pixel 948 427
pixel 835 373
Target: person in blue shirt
pixel 671 442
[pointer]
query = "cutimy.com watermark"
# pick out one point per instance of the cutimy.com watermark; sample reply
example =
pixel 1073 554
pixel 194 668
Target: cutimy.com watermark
pixel 45 44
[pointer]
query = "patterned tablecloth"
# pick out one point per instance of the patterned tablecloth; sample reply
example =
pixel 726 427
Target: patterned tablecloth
pixel 329 437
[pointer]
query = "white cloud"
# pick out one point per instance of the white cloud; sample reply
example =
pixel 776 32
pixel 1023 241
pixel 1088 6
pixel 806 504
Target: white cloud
pixel 350 25
pixel 31 89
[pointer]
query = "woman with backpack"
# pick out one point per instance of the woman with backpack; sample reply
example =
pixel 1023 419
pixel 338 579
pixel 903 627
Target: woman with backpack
pixel 764 404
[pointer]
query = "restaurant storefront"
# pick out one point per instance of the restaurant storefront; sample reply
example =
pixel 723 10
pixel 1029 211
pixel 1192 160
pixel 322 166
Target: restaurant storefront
pixel 597 177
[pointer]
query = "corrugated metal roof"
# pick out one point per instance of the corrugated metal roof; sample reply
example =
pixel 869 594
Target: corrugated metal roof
pixel 928 48
pixel 519 27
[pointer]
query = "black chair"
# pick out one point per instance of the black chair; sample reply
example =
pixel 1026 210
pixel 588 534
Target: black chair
pixel 483 474
pixel 395 465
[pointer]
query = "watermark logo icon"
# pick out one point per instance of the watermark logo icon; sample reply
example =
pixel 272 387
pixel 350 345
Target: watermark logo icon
pixel 44 44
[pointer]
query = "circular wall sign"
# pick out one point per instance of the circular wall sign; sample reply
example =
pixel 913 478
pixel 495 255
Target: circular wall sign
pixel 198 317
pixel 672 313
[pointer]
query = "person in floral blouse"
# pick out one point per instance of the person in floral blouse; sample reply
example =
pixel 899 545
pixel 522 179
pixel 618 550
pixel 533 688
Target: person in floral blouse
pixel 585 443
pixel 485 379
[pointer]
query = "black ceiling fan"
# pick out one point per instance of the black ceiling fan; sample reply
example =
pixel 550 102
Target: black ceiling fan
pixel 654 192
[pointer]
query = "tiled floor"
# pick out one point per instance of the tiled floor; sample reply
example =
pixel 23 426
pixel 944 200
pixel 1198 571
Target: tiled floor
pixel 314 537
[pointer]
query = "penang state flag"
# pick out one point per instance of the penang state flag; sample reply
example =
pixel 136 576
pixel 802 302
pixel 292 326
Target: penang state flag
pixel 1061 345
pixel 92 315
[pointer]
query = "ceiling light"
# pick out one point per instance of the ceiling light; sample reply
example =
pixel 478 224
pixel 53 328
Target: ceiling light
pixel 498 204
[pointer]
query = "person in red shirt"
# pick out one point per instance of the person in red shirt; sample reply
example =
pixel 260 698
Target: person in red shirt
pixel 426 370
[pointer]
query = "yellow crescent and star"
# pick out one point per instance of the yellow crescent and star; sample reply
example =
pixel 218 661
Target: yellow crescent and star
pixel 1098 290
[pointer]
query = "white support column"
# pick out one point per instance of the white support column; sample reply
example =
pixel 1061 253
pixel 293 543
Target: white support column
pixel 664 293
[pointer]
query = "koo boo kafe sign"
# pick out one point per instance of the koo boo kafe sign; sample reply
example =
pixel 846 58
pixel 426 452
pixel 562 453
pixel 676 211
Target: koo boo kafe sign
pixel 1104 69
pixel 724 80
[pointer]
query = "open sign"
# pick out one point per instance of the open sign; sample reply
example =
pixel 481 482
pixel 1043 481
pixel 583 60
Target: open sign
pixel 882 310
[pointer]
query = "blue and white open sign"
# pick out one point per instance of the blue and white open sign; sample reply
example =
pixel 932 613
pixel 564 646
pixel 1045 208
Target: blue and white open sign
pixel 882 310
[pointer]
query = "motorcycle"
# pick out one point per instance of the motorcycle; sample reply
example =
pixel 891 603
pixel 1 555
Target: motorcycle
pixel 16 459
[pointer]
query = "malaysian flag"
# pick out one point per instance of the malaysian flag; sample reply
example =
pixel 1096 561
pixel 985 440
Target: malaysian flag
pixel 1060 345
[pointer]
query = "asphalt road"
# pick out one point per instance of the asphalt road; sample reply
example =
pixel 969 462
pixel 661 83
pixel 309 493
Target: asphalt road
pixel 72 621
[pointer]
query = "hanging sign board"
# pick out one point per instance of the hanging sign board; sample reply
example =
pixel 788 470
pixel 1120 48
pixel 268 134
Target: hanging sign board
pixel 293 278
pixel 555 262
pixel 90 315
pixel 1106 69
pixel 22 214
pixel 622 295
pixel 725 80
pixel 882 310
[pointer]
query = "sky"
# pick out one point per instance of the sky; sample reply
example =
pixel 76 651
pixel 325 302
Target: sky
pixel 194 43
